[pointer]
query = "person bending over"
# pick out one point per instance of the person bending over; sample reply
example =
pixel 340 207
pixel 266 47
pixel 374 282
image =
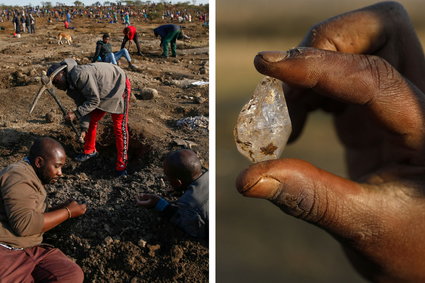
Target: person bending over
pixel 130 33
pixel 97 89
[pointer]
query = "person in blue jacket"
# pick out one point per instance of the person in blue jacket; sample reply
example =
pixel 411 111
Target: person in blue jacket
pixel 183 170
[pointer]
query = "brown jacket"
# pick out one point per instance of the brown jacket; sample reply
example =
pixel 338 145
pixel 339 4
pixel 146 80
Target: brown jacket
pixel 22 204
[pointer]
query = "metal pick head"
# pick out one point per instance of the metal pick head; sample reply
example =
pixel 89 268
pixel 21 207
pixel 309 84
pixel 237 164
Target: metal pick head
pixel 45 80
pixel 37 97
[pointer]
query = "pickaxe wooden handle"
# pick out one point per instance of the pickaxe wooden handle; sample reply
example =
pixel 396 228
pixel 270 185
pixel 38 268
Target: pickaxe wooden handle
pixel 51 91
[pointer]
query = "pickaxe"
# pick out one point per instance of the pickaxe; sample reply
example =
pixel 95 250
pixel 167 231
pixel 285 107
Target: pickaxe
pixel 47 85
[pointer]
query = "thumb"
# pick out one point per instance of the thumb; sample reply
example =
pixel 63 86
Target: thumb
pixel 309 193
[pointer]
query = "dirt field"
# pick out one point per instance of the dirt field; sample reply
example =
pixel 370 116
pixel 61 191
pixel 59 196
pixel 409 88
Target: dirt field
pixel 115 241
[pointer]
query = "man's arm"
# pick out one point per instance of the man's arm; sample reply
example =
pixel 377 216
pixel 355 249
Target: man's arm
pixel 56 217
pixel 180 214
pixel 20 204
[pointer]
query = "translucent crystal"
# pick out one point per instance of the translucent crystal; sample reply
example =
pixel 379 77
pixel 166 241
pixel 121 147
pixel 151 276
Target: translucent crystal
pixel 263 125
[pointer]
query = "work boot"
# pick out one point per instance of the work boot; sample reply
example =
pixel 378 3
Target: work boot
pixel 119 173
pixel 84 157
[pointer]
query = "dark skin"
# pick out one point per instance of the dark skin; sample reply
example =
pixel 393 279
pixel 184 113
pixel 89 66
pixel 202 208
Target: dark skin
pixel 48 165
pixel 366 68
pixel 178 182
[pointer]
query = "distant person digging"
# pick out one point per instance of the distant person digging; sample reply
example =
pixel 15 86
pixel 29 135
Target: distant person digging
pixel 190 212
pixel 66 25
pixel 104 53
pixel 130 33
pixel 169 35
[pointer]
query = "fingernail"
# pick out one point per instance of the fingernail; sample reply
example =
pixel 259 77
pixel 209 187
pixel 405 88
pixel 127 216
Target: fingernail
pixel 273 56
pixel 265 187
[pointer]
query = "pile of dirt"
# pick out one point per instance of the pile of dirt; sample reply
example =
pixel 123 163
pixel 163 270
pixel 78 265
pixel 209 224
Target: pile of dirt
pixel 115 241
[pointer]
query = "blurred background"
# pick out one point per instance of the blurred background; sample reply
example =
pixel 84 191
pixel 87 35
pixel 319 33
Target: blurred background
pixel 256 242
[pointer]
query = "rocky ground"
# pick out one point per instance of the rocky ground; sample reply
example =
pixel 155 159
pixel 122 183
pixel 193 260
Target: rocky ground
pixel 115 241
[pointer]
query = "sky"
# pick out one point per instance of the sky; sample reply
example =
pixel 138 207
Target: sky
pixel 87 3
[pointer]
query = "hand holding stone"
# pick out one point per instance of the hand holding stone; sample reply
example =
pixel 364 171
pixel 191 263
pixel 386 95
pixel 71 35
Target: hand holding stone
pixel 375 93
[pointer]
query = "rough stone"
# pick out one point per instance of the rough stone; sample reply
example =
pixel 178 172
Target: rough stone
pixel 51 117
pixel 200 100
pixel 263 126
pixel 142 243
pixel 148 94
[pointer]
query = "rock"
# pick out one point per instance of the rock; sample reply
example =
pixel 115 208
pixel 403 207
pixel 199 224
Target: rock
pixel 193 122
pixel 148 94
pixel 180 142
pixel 153 249
pixel 203 71
pixel 161 181
pixel 263 126
pixel 51 117
pixel 108 240
pixel 83 177
pixel 142 243
pixel 177 254
pixel 200 100
pixel 33 73
pixel 185 143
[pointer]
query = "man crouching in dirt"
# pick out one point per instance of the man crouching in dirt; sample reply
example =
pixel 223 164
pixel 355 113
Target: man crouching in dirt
pixel 97 89
pixel 23 220
pixel 190 212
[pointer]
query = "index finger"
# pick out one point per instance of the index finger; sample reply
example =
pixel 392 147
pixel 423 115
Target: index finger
pixel 368 81
pixel 376 30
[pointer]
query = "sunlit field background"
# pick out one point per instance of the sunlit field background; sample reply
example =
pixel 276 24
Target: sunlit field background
pixel 256 242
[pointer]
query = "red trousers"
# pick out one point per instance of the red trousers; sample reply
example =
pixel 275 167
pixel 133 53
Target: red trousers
pixel 120 123
pixel 38 264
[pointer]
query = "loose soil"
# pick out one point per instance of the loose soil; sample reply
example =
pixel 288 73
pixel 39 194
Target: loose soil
pixel 115 241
